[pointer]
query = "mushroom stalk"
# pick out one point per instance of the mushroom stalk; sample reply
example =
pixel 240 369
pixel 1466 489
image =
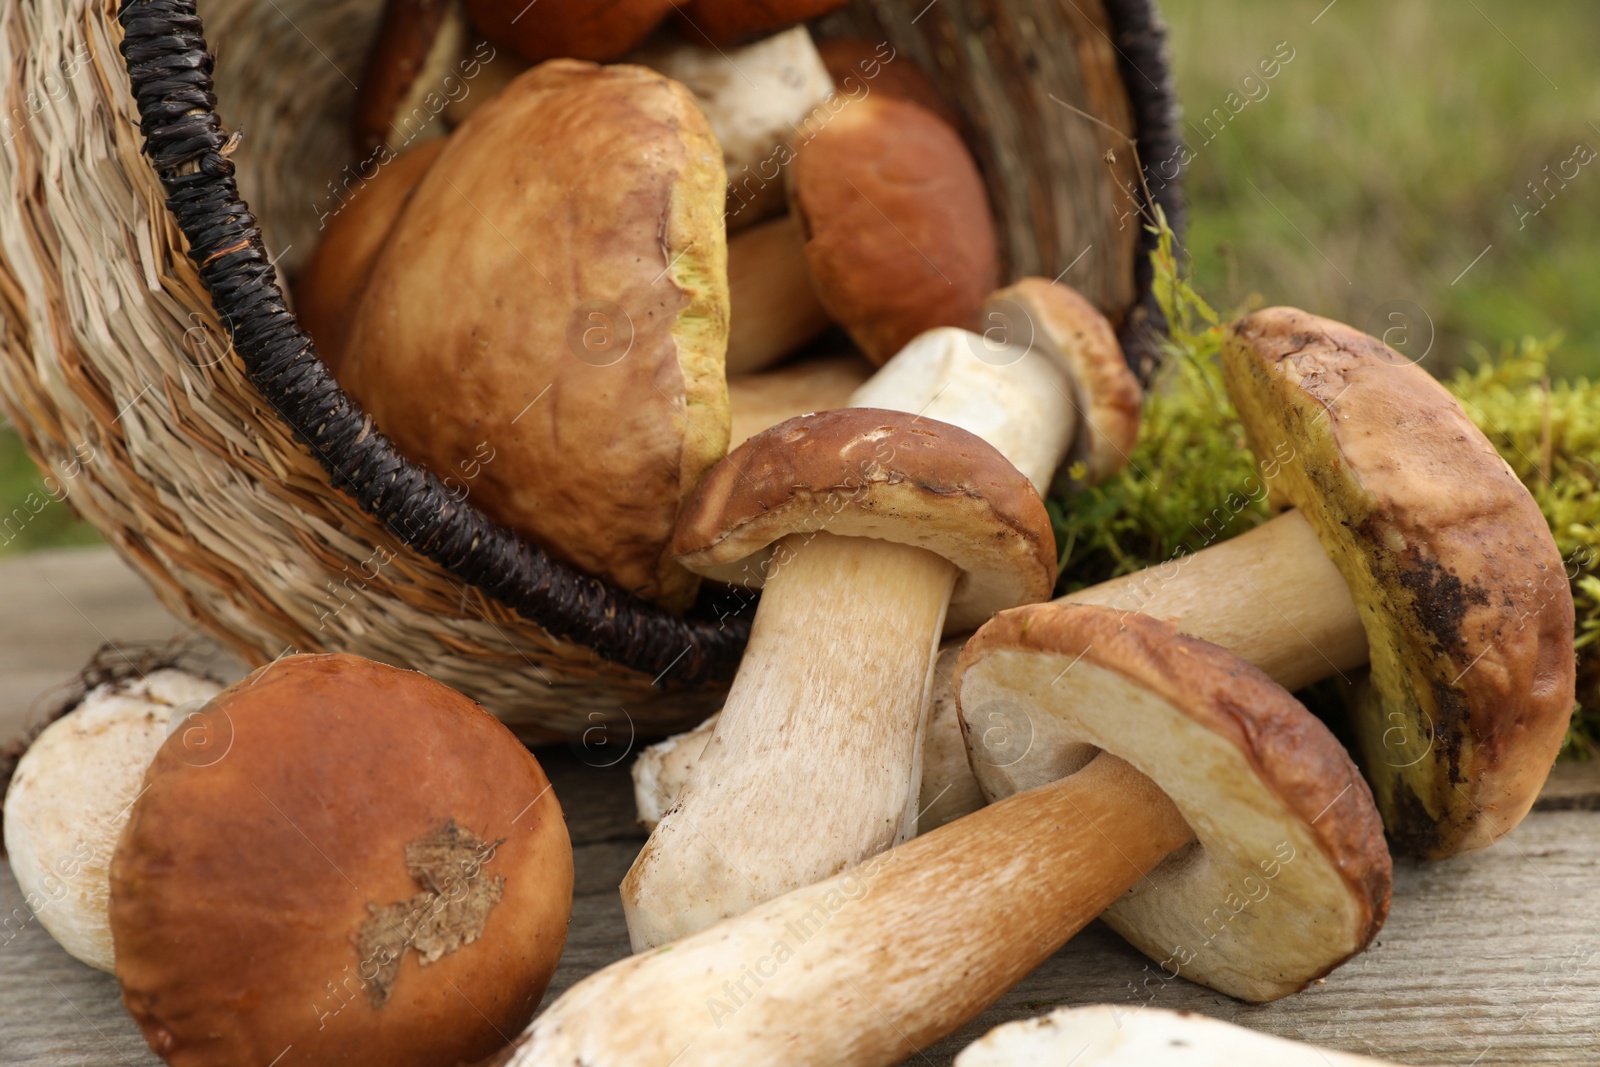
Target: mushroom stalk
pixel 1272 596
pixel 774 309
pixel 837 973
pixel 815 762
pixel 759 401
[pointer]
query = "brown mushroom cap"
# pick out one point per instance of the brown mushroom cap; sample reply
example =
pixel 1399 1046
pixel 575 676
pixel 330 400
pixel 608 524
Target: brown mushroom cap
pixel 1464 595
pixel 861 472
pixel 329 286
pixel 356 864
pixel 727 21
pixel 1055 318
pixel 416 48
pixel 899 235
pixel 598 30
pixel 546 326
pixel 857 65
pixel 1289 876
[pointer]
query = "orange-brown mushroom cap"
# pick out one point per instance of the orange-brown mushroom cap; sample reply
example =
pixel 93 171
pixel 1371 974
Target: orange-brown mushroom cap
pixel 727 21
pixel 862 472
pixel 1289 875
pixel 597 30
pixel 1464 595
pixel 899 234
pixel 339 862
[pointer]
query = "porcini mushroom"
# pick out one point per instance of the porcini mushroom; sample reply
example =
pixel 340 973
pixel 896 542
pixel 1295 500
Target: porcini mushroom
pixel 373 870
pixel 898 232
pixel 1105 1035
pixel 70 797
pixel 863 526
pixel 415 50
pixel 331 283
pixel 1412 543
pixel 516 310
pixel 724 22
pixel 598 30
pixel 1234 812
pixel 889 235
pixel 947 789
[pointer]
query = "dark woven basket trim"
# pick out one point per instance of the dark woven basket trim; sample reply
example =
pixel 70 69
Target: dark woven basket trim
pixel 170 70
pixel 1141 41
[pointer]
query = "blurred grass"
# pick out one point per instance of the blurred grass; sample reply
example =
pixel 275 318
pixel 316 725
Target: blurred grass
pixel 1383 158
pixel 1393 149
pixel 30 516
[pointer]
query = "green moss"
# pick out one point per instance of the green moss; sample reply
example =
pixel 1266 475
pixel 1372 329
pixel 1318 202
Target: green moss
pixel 1191 443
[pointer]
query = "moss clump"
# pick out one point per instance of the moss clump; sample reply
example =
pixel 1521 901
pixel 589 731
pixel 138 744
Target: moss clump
pixel 1165 504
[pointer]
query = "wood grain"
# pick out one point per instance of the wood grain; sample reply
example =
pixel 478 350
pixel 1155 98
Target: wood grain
pixel 1492 958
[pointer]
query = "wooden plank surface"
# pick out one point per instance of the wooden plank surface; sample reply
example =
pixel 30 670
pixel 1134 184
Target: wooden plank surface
pixel 1487 959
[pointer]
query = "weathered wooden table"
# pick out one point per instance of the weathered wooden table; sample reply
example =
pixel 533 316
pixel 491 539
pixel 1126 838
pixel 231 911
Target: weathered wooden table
pixel 1489 959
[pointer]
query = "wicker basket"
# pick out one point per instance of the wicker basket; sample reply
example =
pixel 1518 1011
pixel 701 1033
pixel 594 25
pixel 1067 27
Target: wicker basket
pixel 158 377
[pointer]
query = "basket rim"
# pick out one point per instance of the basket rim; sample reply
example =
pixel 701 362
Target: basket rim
pixel 170 70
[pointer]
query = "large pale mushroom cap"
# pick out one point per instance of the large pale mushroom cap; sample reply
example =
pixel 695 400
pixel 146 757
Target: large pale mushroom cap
pixel 71 795
pixel 547 324
pixel 1288 876
pixel 1464 596
pixel 861 472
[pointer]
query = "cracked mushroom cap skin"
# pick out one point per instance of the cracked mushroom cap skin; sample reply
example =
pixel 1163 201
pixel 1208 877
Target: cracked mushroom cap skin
pixel 1464 595
pixel 597 30
pixel 1289 875
pixel 1036 312
pixel 547 324
pixel 862 472
pixel 898 232
pixel 343 816
pixel 729 21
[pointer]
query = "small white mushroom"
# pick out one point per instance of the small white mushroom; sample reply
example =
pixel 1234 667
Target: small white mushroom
pixel 70 797
pixel 1103 1035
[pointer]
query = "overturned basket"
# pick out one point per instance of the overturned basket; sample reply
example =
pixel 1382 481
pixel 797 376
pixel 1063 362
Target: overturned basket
pixel 160 381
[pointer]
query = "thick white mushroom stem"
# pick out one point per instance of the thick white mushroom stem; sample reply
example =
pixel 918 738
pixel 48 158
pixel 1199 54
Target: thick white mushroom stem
pixel 1272 596
pixel 838 973
pixel 813 763
pixel 816 760
pixel 773 308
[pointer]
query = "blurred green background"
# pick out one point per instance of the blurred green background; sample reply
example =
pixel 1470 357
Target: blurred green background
pixel 1413 169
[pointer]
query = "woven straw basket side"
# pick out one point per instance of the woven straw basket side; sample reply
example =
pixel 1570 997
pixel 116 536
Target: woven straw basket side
pixel 126 388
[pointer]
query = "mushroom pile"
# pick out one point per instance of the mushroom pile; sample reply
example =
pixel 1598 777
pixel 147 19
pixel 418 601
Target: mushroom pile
pixel 716 314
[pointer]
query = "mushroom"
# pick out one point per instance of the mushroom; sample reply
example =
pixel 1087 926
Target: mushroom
pixel 760 401
pixel 368 868
pixel 598 30
pixel 871 532
pixel 70 797
pixel 898 233
pixel 331 283
pixel 515 312
pixel 756 96
pixel 1235 816
pixel 858 66
pixel 416 49
pixel 947 790
pixel 1411 542
pixel 723 22
pixel 1105 1035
